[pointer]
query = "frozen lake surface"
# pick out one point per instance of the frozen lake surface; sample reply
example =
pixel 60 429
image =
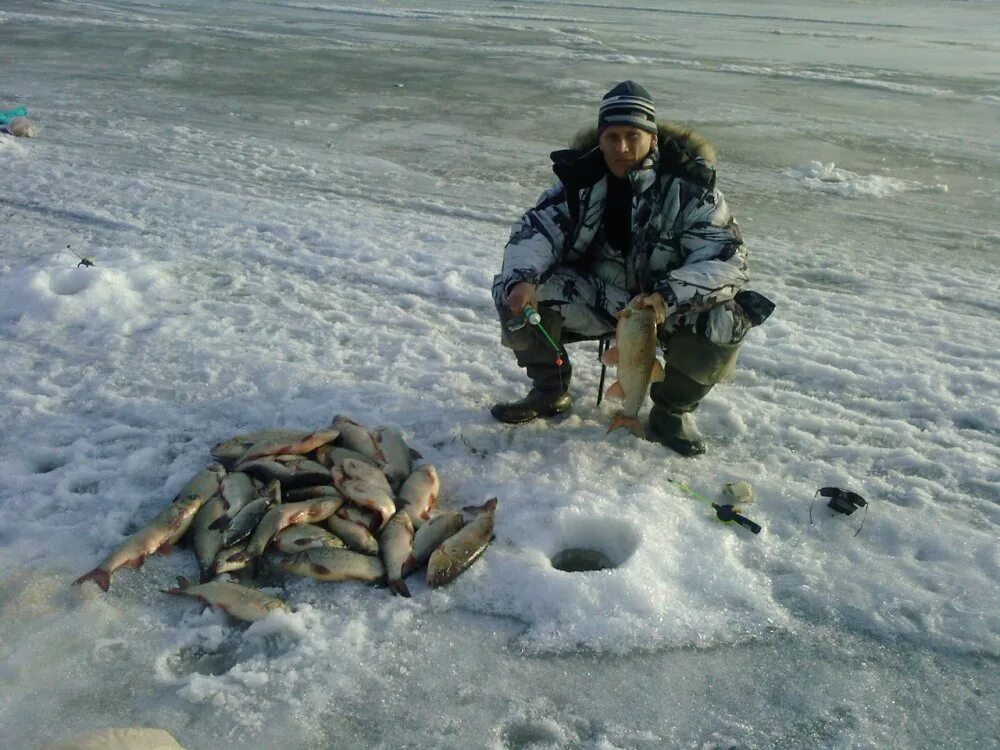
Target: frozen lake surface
pixel 296 209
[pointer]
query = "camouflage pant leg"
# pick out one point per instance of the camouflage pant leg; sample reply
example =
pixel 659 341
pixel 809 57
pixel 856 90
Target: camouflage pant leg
pixel 588 305
pixel 694 356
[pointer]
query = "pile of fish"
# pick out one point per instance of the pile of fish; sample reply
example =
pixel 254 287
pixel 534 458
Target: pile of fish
pixel 341 504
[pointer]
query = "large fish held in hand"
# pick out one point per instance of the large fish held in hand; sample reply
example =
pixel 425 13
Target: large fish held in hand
pixel 634 354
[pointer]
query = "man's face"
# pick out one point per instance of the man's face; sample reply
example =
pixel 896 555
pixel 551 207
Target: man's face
pixel 623 147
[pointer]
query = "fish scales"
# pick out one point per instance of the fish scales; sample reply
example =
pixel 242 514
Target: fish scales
pixel 332 564
pixel 241 602
pixel 455 554
pixel 395 546
pixel 429 536
pixel 163 531
pixel 419 493
pixel 637 366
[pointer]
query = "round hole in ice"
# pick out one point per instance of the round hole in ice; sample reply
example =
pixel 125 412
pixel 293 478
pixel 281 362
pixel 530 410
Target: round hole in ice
pixel 593 544
pixel 581 559
pixel 72 281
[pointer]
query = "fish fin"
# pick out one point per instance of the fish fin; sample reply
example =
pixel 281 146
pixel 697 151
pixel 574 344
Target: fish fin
pixel 615 391
pixel 489 506
pixel 657 374
pixel 164 549
pixel 319 569
pixel 398 587
pixel 98 575
pixel 220 524
pixel 409 565
pixel 415 455
pixel 632 423
pixel 610 357
pixel 135 563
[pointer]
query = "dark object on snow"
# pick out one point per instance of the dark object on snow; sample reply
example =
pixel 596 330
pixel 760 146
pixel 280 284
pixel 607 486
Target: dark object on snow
pixel 842 501
pixel 727 514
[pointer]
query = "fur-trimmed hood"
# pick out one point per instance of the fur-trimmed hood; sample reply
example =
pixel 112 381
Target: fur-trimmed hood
pixel 679 151
pixel 688 142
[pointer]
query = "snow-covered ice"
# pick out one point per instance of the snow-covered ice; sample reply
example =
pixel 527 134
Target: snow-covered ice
pixel 295 210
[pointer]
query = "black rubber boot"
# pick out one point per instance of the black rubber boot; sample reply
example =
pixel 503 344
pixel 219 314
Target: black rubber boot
pixel 536 404
pixel 670 420
pixel 549 395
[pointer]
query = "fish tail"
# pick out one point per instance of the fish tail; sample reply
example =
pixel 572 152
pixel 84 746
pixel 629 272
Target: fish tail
pixel 398 586
pixel 632 423
pixel 98 575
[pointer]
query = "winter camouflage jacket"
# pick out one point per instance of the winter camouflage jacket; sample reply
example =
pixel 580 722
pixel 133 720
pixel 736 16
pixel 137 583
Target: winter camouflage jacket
pixel 685 244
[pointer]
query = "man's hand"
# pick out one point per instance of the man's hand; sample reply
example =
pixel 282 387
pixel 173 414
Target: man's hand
pixel 521 296
pixel 656 301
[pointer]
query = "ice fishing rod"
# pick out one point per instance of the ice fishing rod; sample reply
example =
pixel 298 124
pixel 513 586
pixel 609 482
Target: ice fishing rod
pixel 530 315
pixel 725 513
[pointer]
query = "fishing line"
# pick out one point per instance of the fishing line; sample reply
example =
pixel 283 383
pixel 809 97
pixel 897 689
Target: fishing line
pixel 532 316
pixel 842 501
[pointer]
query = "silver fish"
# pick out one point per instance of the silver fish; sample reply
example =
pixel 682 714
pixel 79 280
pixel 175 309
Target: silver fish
pixel 458 552
pixel 355 535
pixel 419 493
pixel 370 496
pixel 355 469
pixel 332 455
pixel 291 471
pixel 241 526
pixel 239 522
pixel 429 536
pixel 240 602
pixel 160 534
pixel 224 562
pixel 281 516
pixel 238 489
pixel 361 516
pixel 296 447
pixel 316 492
pixel 292 539
pixel 208 541
pixel 395 545
pixel 399 456
pixel 357 437
pixel 228 451
pixel 635 356
pixel 332 564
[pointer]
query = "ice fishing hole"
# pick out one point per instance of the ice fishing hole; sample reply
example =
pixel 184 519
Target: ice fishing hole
pixel 593 544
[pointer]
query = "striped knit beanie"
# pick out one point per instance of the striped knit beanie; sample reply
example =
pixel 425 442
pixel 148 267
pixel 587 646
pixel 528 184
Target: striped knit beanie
pixel 628 103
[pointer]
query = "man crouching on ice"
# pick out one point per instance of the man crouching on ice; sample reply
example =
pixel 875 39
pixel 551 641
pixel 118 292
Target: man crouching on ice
pixel 634 216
